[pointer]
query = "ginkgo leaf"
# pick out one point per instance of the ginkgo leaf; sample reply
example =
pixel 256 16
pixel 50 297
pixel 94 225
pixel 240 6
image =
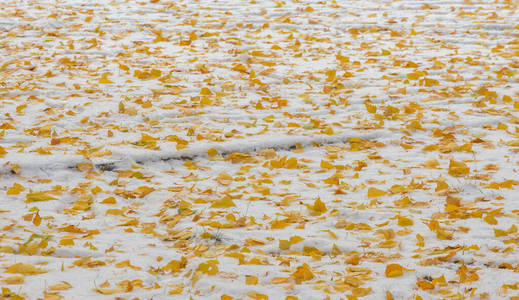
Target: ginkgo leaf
pixel 17 279
pixel 212 152
pixel 318 207
pixel 105 291
pixel 60 286
pixel 257 296
pixel 394 270
pixel 24 269
pixel 104 78
pixel 39 196
pixel 143 191
pixel 15 189
pixel 253 144
pixel 251 280
pixel 490 219
pixel 303 273
pixel 404 221
pixel 175 266
pixel 458 169
pixel 374 192
pixel 424 285
pixel 225 202
pixel 284 244
pixel 224 179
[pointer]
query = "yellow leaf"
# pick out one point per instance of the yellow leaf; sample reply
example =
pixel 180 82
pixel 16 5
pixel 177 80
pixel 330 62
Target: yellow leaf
pixel 396 189
pixel 279 280
pixel 387 244
pixel 500 233
pixel 142 191
pixel 126 264
pixel 428 82
pixel 177 288
pixel 68 241
pixel 226 202
pixel 374 192
pixel 296 239
pixel 209 267
pixel 257 296
pixel 114 211
pixel 254 242
pixel 431 164
pixel 37 219
pixel 96 190
pixel 389 296
pixel 331 75
pixel 24 269
pixel 17 279
pixel 109 200
pixel 331 233
pixel 432 147
pixel 284 244
pixel 240 68
pixel 108 291
pixel 212 152
pixel 159 37
pixel 81 205
pixel 278 224
pixel 458 169
pixel 326 164
pixel 404 221
pixel 490 219
pixel 420 240
pixel 424 285
pixel 130 222
pixel 104 78
pixel 440 281
pixel 39 196
pixel 154 73
pixel 175 266
pixel 2 151
pixel 205 101
pixel 319 206
pixel 251 280
pixel 206 92
pixel 85 167
pixel 303 273
pixel 443 235
pixel 291 163
pixel 394 270
pixel 328 130
pixel 15 189
pixel 361 292
pixel 60 286
pixel 404 202
pixel 370 107
pixel 224 179
pixel 415 75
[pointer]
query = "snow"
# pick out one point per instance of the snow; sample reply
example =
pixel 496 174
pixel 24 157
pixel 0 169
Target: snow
pixel 194 147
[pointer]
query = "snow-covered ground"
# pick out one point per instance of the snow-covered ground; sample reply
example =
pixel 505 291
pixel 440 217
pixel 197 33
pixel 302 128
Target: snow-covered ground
pixel 259 149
